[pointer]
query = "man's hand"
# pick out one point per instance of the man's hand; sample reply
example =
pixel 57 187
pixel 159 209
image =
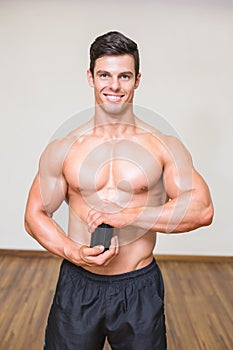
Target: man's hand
pixel 115 216
pixel 96 256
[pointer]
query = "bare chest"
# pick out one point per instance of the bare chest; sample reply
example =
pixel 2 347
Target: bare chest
pixel 112 168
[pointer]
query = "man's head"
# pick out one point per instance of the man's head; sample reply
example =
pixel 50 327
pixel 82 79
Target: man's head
pixel 113 44
pixel 114 72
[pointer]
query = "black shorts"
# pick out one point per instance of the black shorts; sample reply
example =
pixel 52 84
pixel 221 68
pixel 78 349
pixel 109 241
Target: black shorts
pixel 126 308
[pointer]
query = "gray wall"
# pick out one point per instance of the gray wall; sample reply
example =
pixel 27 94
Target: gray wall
pixel 186 63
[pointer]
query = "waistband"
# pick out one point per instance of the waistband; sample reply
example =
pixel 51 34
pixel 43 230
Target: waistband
pixel 142 272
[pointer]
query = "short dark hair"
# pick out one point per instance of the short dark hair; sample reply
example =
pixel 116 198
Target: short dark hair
pixel 113 43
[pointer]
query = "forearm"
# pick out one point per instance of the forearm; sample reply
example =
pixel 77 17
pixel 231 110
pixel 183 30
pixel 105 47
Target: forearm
pixel 179 215
pixel 51 236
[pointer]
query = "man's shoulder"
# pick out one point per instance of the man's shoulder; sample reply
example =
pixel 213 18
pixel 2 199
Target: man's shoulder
pixel 60 146
pixel 163 145
pixel 57 148
pixel 157 138
pixel 153 132
pixel 54 154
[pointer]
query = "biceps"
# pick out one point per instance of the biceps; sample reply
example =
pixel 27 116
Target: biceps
pixel 52 191
pixel 189 180
pixel 178 180
pixel 46 195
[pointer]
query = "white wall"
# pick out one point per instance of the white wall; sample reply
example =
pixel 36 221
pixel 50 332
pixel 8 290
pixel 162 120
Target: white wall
pixel 186 56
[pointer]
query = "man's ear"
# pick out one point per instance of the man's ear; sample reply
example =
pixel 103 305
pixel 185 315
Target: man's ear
pixel 137 82
pixel 90 78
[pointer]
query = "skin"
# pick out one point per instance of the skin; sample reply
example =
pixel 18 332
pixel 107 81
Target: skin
pixel 116 170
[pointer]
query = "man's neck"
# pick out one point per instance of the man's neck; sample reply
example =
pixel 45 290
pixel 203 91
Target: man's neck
pixel 112 122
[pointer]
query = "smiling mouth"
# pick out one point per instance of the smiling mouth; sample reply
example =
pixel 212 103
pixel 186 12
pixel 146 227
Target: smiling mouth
pixel 113 98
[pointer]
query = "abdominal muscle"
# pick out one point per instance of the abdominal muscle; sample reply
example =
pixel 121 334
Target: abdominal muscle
pixel 135 246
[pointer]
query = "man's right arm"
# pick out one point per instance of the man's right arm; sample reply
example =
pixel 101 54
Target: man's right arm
pixel 48 191
pixel 40 225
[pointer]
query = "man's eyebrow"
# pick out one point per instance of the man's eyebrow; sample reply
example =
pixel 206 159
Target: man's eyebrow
pixel 126 73
pixel 122 73
pixel 102 72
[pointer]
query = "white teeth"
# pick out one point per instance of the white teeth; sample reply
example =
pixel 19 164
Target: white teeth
pixel 113 98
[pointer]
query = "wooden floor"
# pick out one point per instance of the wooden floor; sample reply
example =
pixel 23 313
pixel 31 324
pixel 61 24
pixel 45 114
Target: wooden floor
pixel 199 303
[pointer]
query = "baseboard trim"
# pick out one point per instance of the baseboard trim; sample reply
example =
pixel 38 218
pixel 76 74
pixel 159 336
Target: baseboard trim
pixel 27 253
pixel 159 257
pixel 194 258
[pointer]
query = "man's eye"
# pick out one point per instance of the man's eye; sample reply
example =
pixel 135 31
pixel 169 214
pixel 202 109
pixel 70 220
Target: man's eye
pixel 125 77
pixel 104 75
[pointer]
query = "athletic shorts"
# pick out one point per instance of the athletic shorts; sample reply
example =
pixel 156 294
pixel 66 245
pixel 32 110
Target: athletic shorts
pixel 126 308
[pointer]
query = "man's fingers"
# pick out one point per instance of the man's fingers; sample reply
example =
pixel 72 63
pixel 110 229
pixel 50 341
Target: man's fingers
pixel 114 244
pixel 87 252
pixel 96 256
pixel 93 221
pixel 97 249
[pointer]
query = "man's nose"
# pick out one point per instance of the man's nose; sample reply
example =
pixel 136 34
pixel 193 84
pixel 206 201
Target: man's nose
pixel 115 84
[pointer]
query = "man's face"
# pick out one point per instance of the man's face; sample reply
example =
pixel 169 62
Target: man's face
pixel 114 82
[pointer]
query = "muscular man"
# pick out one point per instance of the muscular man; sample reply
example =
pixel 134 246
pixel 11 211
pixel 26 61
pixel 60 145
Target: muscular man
pixel 120 171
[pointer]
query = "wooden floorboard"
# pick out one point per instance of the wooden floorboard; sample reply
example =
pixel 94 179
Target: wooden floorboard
pixel 198 299
pixel 199 305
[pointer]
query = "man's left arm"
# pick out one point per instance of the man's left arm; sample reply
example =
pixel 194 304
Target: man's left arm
pixel 191 209
pixel 189 205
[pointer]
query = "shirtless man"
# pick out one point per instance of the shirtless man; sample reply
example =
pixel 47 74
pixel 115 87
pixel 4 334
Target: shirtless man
pixel 119 171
